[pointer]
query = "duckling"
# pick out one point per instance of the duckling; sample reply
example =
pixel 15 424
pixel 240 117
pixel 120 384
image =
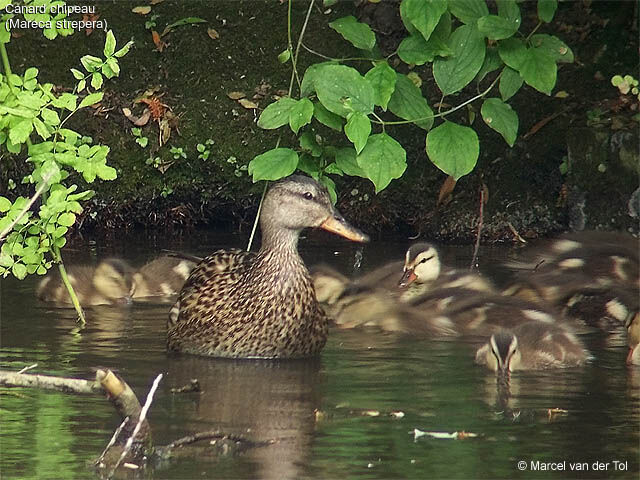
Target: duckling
pixel 261 305
pixel 328 283
pixel 531 346
pixel 163 276
pixel 110 282
pixel 633 339
pixel 423 268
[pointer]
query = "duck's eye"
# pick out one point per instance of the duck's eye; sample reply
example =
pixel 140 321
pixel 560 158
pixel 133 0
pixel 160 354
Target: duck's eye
pixel 424 260
pixel 308 195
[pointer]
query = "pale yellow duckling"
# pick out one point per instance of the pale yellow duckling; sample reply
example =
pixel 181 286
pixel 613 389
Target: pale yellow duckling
pixel 532 346
pixel 109 283
pixel 162 277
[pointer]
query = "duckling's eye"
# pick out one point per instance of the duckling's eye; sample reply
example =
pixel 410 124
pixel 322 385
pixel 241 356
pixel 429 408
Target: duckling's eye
pixel 424 260
pixel 308 195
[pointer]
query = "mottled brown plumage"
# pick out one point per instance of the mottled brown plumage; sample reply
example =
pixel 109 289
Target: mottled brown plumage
pixel 260 305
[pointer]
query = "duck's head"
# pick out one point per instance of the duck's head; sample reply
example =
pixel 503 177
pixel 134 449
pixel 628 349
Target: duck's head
pixel 633 339
pixel 502 355
pixel 113 279
pixel 421 264
pixel 298 202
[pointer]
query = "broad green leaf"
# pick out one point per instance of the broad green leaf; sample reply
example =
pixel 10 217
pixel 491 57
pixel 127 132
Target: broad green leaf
pixel 96 80
pixel 382 160
pixel 66 100
pixel 424 14
pixel 509 10
pixel 109 44
pixel 342 90
pixel 497 28
pixel 357 129
pixel 124 50
pixel 66 219
pixel 547 9
pixel 491 62
pixel 510 83
pixel 30 73
pixel 31 100
pixel 90 63
pixel 539 70
pixel 358 34
pixel 383 80
pixel 105 172
pixel 81 85
pixel 408 103
pixel 19 271
pixel 77 74
pixel 50 117
pixel 41 128
pixel 111 68
pixel 5 204
pixel 512 52
pixel 327 118
pixel 91 99
pixel 468 11
pixel 276 114
pixel 454 73
pixel 19 132
pixel 554 47
pixel 331 187
pixel 309 165
pixel 308 81
pixel 414 49
pixel 284 56
pixel 346 160
pixel 501 117
pixel 308 142
pixel 333 169
pixel 274 164
pixel 300 114
pixel 454 149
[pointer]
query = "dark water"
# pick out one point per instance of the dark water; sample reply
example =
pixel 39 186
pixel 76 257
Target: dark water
pixel 332 417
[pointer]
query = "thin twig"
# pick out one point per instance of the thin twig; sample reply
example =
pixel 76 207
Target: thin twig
pixel 216 434
pixel 27 207
pixel 112 441
pixel 141 418
pixel 28 368
pixel 255 222
pixel 474 260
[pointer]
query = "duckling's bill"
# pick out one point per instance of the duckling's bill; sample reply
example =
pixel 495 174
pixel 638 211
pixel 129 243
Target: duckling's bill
pixel 338 225
pixel 408 278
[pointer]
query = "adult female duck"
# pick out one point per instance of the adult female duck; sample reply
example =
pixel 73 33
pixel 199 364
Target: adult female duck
pixel 261 305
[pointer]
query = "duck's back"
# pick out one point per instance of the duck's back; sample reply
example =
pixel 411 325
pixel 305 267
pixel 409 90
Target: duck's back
pixel 239 304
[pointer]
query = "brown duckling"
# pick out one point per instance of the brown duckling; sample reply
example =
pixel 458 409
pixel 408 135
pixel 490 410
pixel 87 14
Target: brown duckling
pixel 328 283
pixel 110 282
pixel 531 346
pixel 261 305
pixel 162 277
pixel 423 269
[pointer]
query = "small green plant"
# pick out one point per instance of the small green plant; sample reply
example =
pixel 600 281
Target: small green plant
pixel 151 23
pixel 178 153
pixel 32 125
pixel 626 84
pixel 204 149
pixel 140 139
pixel 166 191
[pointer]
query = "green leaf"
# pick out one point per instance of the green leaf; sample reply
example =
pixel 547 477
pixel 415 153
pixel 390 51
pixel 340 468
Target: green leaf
pixel 274 164
pixel 382 160
pixel 512 52
pixel 105 172
pixel 346 160
pixel 109 44
pixel 468 11
pixel 142 141
pixel 554 47
pixel 66 100
pixel 66 219
pixel 50 117
pixel 96 80
pixel 539 70
pixel 383 80
pixel 284 56
pixel 327 118
pixel 454 73
pixel 358 34
pixel 111 68
pixel 307 87
pixel 124 50
pixel 491 62
pixel 30 73
pixel 309 165
pixel 454 149
pixel 81 85
pixel 19 132
pixel 5 35
pixel 41 128
pixel 342 90
pixel 509 10
pixel 497 28
pixel 331 187
pixel 5 204
pixel 77 74
pixel 424 14
pixel 91 99
pixel 308 142
pixel 501 117
pixel 300 114
pixel 90 63
pixel 547 9
pixel 276 114
pixel 357 129
pixel 408 103
pixel 19 271
pixel 182 22
pixel 510 83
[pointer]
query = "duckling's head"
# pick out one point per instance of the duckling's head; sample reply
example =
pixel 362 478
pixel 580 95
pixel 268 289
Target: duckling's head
pixel 328 283
pixel 298 202
pixel 633 339
pixel 421 264
pixel 113 279
pixel 501 354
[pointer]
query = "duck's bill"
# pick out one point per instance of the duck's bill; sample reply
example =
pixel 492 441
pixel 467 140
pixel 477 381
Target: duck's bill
pixel 338 225
pixel 408 278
